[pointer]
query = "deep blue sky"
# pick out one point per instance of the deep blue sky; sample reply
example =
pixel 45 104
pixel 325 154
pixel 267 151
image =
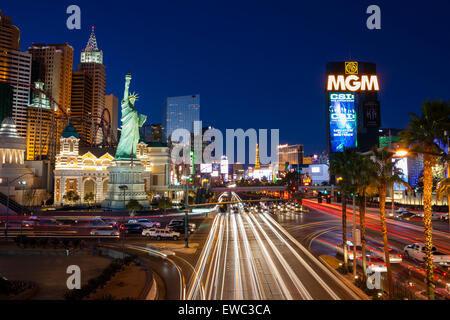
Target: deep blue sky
pixel 256 64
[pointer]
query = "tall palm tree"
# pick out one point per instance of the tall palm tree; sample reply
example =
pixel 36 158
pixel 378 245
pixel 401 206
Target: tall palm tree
pixel 422 136
pixel 342 166
pixel 386 174
pixel 363 182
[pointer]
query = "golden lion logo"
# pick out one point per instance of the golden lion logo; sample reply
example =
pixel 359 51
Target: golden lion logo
pixel 351 67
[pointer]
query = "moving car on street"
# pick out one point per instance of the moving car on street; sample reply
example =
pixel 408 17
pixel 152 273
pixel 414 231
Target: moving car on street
pixel 161 234
pixel 145 222
pixel 417 252
pixel 105 232
pixel 131 228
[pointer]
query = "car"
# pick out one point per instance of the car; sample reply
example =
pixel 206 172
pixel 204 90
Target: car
pixel 145 222
pixel 394 255
pixel 406 215
pixel 105 232
pixel 179 228
pixel 400 210
pixel 419 214
pixel 436 216
pixel 161 233
pixel 181 222
pixel 28 223
pixel 149 232
pixel 417 252
pixel 131 228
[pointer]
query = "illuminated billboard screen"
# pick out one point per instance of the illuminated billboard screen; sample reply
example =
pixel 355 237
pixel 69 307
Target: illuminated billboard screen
pixel 342 121
pixel 224 166
pixel 402 164
pixel 206 168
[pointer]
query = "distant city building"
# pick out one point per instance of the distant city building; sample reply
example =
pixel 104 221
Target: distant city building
pixel 388 136
pixel 30 189
pixel 112 104
pixel 318 173
pixel 180 113
pixel 290 156
pixel 39 133
pixel 6 100
pixel 52 64
pixel 15 69
pixel 9 34
pixel 82 105
pixel 156 135
pixel 92 64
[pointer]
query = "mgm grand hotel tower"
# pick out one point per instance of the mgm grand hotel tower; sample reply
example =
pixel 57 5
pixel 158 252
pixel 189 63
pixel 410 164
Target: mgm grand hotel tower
pixel 353 109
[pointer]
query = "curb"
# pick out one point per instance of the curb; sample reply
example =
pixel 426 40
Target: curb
pixel 352 287
pixel 152 294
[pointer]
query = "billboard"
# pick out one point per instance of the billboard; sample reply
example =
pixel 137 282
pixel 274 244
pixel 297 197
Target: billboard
pixel 224 166
pixel 372 114
pixel 342 117
pixel 401 164
pixel 206 168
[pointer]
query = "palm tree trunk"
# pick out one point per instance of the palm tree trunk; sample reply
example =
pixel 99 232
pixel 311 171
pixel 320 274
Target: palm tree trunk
pixel 344 228
pixel 362 223
pixel 382 192
pixel 427 216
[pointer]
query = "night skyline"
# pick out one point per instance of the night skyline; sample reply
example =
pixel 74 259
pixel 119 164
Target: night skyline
pixel 265 63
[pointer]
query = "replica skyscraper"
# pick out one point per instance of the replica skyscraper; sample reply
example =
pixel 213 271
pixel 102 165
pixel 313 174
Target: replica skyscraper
pixel 92 64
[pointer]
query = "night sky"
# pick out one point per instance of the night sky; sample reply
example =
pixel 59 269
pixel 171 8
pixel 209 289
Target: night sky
pixel 256 64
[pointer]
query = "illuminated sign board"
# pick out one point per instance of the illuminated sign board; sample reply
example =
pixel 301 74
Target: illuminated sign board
pixel 224 166
pixel 205 167
pixel 315 169
pixel 342 119
pixel 352 83
pixel 401 164
pixel 215 174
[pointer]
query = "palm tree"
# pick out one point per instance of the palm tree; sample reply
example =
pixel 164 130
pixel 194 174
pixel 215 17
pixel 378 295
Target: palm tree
pixel 385 175
pixel 444 190
pixel 422 136
pixel 342 166
pixel 363 181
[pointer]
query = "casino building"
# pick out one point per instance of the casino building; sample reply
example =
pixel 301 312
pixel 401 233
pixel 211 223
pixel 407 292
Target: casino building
pixel 353 109
pixel 83 169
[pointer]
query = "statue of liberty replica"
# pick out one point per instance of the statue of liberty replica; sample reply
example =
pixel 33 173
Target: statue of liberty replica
pixel 125 176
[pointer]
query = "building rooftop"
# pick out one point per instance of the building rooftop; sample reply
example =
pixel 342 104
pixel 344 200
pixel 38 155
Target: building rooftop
pixel 70 131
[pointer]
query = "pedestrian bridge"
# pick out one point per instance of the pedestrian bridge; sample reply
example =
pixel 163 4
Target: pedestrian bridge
pixel 249 189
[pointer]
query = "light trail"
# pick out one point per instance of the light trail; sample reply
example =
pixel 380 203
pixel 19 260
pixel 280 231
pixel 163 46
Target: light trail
pixel 201 264
pixel 311 257
pixel 255 281
pixel 275 273
pixel 292 275
pixel 237 265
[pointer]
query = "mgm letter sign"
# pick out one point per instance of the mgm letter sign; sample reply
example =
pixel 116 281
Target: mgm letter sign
pixel 351 88
pixel 351 81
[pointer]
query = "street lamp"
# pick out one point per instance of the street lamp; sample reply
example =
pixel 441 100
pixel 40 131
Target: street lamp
pixel 400 153
pixel 8 181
